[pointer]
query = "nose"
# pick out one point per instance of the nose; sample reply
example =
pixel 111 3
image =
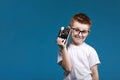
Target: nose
pixel 80 34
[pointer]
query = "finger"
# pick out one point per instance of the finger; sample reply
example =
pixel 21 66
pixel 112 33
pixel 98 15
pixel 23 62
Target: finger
pixel 60 41
pixel 64 41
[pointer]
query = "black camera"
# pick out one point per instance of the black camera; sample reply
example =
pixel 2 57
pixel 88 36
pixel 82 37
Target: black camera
pixel 64 32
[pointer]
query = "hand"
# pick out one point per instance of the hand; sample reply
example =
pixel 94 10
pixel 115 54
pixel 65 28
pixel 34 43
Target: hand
pixel 61 42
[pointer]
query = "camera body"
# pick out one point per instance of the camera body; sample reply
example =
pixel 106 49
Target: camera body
pixel 64 33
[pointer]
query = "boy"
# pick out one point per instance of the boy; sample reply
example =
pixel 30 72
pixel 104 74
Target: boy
pixel 78 59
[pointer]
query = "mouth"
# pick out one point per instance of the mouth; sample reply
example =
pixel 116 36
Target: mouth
pixel 79 37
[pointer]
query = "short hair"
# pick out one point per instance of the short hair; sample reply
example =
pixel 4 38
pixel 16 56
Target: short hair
pixel 81 18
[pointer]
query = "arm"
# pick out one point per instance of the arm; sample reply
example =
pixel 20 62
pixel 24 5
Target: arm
pixel 94 70
pixel 66 64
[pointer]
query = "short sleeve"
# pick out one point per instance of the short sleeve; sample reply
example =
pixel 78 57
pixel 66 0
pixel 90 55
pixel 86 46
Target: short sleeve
pixel 93 58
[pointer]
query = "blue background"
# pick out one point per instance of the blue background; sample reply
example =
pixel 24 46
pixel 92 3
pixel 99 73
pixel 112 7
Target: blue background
pixel 28 32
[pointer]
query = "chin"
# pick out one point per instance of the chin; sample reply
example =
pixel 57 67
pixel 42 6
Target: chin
pixel 77 42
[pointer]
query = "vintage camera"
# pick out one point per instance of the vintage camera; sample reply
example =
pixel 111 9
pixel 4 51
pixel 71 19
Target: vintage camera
pixel 64 33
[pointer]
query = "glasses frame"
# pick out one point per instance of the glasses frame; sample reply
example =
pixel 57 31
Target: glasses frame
pixel 80 31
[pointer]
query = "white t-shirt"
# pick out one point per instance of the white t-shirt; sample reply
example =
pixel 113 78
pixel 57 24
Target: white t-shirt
pixel 83 57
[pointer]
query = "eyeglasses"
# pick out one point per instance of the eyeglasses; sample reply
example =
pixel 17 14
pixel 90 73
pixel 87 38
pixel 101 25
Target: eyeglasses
pixel 78 31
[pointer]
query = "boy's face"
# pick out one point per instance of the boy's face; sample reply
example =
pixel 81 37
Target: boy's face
pixel 79 32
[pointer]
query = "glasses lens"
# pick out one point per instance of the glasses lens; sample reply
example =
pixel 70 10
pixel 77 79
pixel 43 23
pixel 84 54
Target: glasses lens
pixel 79 31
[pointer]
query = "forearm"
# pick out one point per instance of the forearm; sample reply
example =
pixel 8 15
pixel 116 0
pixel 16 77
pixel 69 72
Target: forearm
pixel 95 75
pixel 66 63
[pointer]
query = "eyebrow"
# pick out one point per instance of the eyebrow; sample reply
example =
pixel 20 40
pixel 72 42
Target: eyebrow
pixel 80 29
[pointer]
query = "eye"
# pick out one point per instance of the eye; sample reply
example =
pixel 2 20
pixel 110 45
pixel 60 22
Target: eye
pixel 83 31
pixel 77 30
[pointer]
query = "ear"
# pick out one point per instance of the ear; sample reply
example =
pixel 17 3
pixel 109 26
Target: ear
pixel 89 32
